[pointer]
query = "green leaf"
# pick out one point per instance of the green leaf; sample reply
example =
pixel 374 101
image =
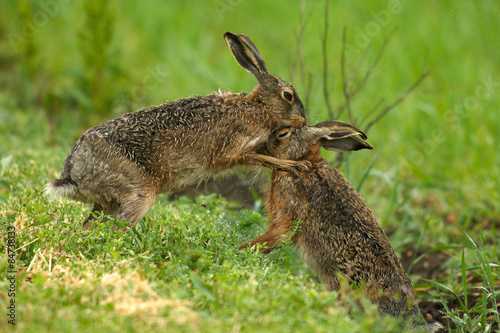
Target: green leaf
pixel 200 285
pixel 43 220
pixel 445 247
pixel 5 162
pixel 439 285
pixel 4 197
pixel 476 267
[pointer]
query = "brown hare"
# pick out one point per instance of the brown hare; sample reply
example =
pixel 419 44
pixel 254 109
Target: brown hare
pixel 337 234
pixel 121 165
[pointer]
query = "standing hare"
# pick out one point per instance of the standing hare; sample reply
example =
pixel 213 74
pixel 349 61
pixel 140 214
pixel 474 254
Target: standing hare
pixel 338 235
pixel 121 165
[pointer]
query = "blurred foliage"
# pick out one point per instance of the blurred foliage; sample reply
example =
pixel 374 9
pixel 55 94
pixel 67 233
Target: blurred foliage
pixel 100 80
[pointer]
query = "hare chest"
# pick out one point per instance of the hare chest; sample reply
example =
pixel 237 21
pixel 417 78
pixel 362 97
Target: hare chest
pixel 336 232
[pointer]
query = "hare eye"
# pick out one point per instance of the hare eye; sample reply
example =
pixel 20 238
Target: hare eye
pixel 287 96
pixel 283 135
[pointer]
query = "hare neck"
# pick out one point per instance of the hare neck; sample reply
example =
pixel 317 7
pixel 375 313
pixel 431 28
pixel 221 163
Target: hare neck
pixel 314 156
pixel 255 96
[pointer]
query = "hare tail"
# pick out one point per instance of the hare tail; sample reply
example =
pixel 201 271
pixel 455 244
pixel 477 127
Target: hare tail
pixel 63 188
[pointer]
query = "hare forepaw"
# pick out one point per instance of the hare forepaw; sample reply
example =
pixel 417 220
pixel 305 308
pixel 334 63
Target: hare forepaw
pixel 297 121
pixel 303 166
pixel 295 167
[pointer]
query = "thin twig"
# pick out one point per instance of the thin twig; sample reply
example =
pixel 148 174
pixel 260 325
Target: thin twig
pixel 345 88
pixel 375 63
pixel 362 60
pixel 341 108
pixel 309 82
pixel 298 49
pixel 339 159
pixel 368 73
pixel 299 60
pixel 372 111
pixel 326 93
pixel 397 101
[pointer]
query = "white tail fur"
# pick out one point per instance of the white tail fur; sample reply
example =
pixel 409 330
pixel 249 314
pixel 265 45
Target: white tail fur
pixel 60 188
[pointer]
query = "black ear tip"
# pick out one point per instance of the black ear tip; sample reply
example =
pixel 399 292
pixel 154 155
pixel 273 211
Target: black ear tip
pixel 362 145
pixel 228 35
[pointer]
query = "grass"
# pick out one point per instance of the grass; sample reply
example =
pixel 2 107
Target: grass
pixel 433 180
pixel 479 315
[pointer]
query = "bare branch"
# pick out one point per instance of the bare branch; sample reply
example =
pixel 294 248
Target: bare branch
pixel 361 60
pixel 372 111
pixel 375 63
pixel 345 82
pixel 308 82
pixel 343 106
pixel 397 101
pixel 339 159
pixel 299 59
pixel 368 73
pixel 326 93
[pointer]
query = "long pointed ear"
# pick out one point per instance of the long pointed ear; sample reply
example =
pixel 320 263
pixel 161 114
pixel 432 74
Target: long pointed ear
pixel 341 137
pixel 246 54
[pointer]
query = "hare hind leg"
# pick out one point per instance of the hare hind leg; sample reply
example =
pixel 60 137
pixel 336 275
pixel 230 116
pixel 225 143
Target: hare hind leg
pixel 92 220
pixel 268 240
pixel 135 206
pixel 131 209
pixel 277 233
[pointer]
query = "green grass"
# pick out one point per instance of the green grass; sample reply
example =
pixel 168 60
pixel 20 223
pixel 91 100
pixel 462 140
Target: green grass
pixel 478 315
pixel 432 180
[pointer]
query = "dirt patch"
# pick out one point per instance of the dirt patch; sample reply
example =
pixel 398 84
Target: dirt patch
pixel 433 312
pixel 431 267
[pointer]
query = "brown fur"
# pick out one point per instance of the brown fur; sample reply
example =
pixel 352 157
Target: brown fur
pixel 338 235
pixel 121 165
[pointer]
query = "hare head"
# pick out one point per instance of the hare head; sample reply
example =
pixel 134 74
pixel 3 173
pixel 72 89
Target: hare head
pixel 277 94
pixel 303 144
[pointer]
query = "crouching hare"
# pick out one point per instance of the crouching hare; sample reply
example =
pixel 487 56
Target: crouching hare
pixel 121 165
pixel 337 233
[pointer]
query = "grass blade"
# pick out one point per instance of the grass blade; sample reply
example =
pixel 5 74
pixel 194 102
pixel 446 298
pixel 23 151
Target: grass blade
pixel 464 279
pixel 476 267
pixel 367 172
pixel 440 285
pixel 417 247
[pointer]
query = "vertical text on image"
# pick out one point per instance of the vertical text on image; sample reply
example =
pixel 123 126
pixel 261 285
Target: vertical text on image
pixel 11 275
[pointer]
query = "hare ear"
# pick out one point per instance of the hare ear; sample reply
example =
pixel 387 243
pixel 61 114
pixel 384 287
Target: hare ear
pixel 345 144
pixel 341 137
pixel 246 54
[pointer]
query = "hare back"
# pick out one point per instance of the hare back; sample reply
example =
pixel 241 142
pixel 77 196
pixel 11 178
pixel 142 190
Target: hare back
pixel 338 233
pixel 174 144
